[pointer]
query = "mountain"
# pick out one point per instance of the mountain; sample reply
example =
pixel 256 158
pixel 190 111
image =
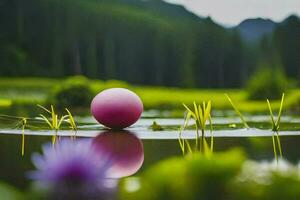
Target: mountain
pixel 163 8
pixel 146 42
pixel 142 42
pixel 252 30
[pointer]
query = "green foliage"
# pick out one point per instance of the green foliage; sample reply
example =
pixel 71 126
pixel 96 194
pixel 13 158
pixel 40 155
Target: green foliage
pixel 276 127
pixel 54 121
pixel 267 83
pixel 194 177
pixel 8 192
pixel 274 182
pixel 75 92
pixel 282 187
pixel 39 91
pixel 276 123
pixel 224 176
pixel 200 115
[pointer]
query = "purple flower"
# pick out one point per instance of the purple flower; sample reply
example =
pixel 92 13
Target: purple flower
pixel 69 162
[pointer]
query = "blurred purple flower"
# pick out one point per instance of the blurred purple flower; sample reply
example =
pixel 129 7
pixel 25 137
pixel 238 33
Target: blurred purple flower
pixel 69 162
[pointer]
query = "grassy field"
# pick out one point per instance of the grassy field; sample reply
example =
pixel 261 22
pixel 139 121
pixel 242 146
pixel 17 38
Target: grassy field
pixel 31 91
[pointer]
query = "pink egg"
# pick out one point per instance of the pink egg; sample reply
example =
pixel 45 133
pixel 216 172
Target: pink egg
pixel 124 151
pixel 117 108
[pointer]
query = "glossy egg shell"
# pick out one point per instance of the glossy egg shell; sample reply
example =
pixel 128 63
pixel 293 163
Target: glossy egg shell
pixel 117 108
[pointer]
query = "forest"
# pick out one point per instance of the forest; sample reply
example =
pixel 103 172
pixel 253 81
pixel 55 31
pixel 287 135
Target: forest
pixel 140 42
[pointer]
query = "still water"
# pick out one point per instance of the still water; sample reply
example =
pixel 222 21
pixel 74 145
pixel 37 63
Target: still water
pixel 157 145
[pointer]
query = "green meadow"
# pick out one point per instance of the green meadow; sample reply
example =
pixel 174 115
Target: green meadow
pixel 16 92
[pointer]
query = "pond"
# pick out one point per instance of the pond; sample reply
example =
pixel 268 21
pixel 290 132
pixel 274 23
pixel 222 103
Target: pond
pixel 158 144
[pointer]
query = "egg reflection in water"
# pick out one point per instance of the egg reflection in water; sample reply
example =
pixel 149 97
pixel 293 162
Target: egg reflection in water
pixel 124 150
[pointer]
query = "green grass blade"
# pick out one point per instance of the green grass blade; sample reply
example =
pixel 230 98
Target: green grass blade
pixel 280 111
pixel 206 148
pixel 53 116
pixel 189 110
pixel 271 115
pixel 207 111
pixel 188 146
pixel 45 109
pixel 55 122
pixel 47 121
pixel 198 115
pixel 53 140
pixel 187 119
pixel 181 142
pixel 201 118
pixel 204 108
pixel 71 120
pixel 275 128
pixel 185 124
pixel 274 148
pixel 279 144
pixel 211 134
pixel 61 120
pixel 52 110
pixel 237 111
pixel 24 122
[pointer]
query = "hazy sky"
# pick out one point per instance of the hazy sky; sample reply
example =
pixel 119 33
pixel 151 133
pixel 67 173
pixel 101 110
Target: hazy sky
pixel 232 12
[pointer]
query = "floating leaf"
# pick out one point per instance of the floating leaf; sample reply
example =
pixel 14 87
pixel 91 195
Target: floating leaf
pixel 156 127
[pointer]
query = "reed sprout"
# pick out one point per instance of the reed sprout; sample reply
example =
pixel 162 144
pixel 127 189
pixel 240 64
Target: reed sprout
pixel 54 122
pixel 275 128
pixel 201 114
pixel 24 123
pixel 71 122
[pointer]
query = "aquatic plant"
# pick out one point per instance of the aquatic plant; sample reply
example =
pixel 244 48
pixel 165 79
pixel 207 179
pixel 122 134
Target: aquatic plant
pixel 54 122
pixel 200 178
pixel 74 92
pixel 156 127
pixel 276 127
pixel 22 123
pixel 267 82
pixel 72 167
pixel 275 124
pixel 237 111
pixel 225 175
pixel 200 115
pixel 71 122
pixel 69 161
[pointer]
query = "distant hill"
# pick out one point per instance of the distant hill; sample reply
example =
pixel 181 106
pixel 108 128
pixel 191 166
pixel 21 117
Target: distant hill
pixel 163 8
pixel 146 42
pixel 253 29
